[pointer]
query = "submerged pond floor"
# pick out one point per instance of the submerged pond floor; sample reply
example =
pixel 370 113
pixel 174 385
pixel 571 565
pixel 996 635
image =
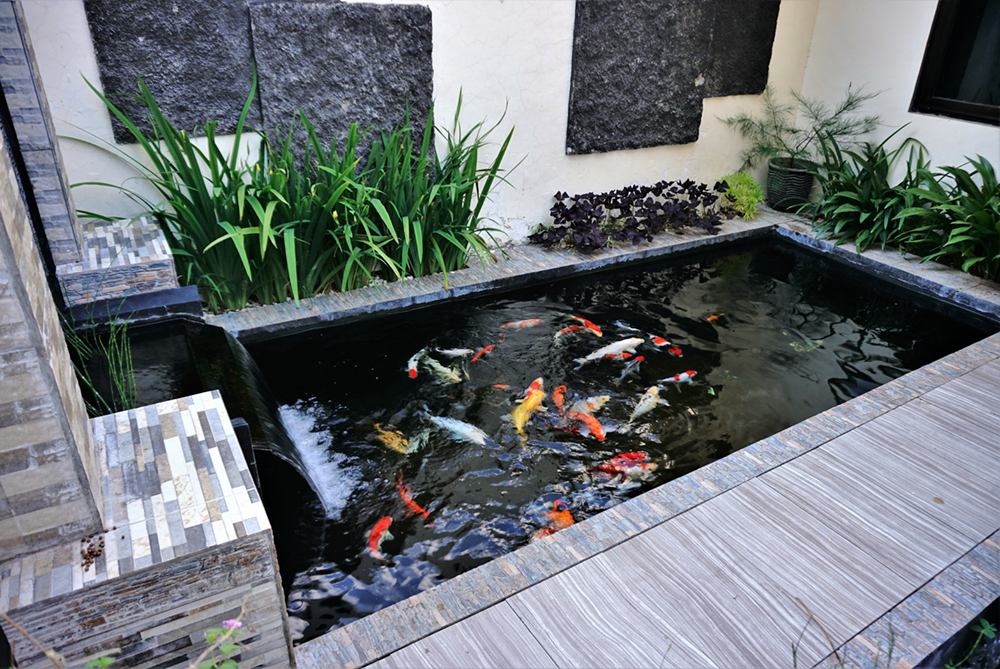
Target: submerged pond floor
pixel 790 335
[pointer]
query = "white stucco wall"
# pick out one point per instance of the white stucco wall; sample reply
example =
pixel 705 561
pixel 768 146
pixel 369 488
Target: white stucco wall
pixel 881 43
pixel 498 52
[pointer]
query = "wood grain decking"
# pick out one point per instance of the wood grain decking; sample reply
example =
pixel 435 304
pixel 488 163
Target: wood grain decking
pixel 809 553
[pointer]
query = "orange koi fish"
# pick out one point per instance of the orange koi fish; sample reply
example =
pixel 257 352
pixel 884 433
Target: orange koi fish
pixel 592 423
pixel 624 355
pixel 520 325
pixel 712 319
pixel 558 520
pixel 500 385
pixel 683 377
pixel 559 398
pixel 379 534
pixel 590 326
pixel 411 506
pixel 483 351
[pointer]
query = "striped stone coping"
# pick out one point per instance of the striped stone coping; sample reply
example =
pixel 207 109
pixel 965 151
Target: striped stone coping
pixel 394 627
pixel 175 482
pixel 929 617
pixel 117 244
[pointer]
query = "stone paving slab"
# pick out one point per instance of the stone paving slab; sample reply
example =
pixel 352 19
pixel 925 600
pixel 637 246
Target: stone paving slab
pixel 175 482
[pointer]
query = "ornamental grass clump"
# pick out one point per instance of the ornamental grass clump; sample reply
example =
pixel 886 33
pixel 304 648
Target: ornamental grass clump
pixel 590 221
pixel 303 219
pixel 432 207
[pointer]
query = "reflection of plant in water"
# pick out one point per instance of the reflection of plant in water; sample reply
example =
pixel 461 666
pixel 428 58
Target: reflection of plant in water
pixel 733 265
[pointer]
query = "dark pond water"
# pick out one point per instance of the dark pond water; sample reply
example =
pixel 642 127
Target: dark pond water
pixel 774 335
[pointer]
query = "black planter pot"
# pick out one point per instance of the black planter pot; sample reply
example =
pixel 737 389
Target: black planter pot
pixel 788 187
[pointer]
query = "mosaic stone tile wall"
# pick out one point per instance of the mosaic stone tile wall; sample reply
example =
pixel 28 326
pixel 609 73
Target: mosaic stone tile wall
pixel 36 135
pixel 185 540
pixel 119 259
pixel 49 480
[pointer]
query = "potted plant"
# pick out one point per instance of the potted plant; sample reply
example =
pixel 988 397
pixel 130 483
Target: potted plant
pixel 789 148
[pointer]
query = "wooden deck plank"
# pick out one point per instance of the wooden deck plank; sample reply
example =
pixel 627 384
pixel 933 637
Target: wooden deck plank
pixel 589 617
pixel 758 530
pixel 950 447
pixel 976 396
pixel 939 494
pixel 492 638
pixel 901 534
pixel 706 598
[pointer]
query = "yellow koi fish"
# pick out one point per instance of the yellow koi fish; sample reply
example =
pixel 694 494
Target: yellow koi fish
pixel 392 439
pixel 522 413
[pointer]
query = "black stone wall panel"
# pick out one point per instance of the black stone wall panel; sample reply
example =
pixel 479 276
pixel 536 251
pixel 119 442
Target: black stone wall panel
pixel 742 37
pixel 343 63
pixel 194 56
pixel 635 66
pixel 642 67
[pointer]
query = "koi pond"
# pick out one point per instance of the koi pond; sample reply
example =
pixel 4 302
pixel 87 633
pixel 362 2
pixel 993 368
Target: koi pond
pixel 444 437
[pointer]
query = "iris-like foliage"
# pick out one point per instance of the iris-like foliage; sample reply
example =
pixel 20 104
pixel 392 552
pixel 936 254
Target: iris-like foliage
pixel 957 220
pixel 632 214
pixel 858 201
pixel 302 220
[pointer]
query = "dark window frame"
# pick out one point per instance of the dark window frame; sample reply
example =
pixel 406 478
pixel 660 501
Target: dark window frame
pixel 924 100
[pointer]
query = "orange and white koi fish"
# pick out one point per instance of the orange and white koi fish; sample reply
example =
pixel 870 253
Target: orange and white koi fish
pixel 568 330
pixel 631 465
pixel 411 364
pixel 630 367
pixel 660 342
pixel 379 534
pixel 683 377
pixel 649 400
pixel 483 351
pixel 712 319
pixel 520 325
pixel 559 398
pixel 591 404
pixel 590 326
pixel 558 520
pixel 592 423
pixel 625 345
pixel 411 506
pixel 522 413
pixel 537 384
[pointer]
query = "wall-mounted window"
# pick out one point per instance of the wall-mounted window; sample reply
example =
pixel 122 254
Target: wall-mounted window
pixel 960 74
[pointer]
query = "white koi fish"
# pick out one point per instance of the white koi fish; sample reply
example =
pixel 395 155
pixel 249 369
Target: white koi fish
pixel 444 374
pixel 630 367
pixel 411 364
pixel 650 399
pixel 619 347
pixel 454 352
pixel 460 429
pixel 591 404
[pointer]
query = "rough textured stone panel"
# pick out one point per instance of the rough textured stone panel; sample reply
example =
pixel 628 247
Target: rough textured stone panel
pixel 194 56
pixel 642 67
pixel 742 37
pixel 636 66
pixel 342 63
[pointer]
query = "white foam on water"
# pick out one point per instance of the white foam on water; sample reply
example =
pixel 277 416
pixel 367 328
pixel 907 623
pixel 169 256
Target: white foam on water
pixel 333 479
